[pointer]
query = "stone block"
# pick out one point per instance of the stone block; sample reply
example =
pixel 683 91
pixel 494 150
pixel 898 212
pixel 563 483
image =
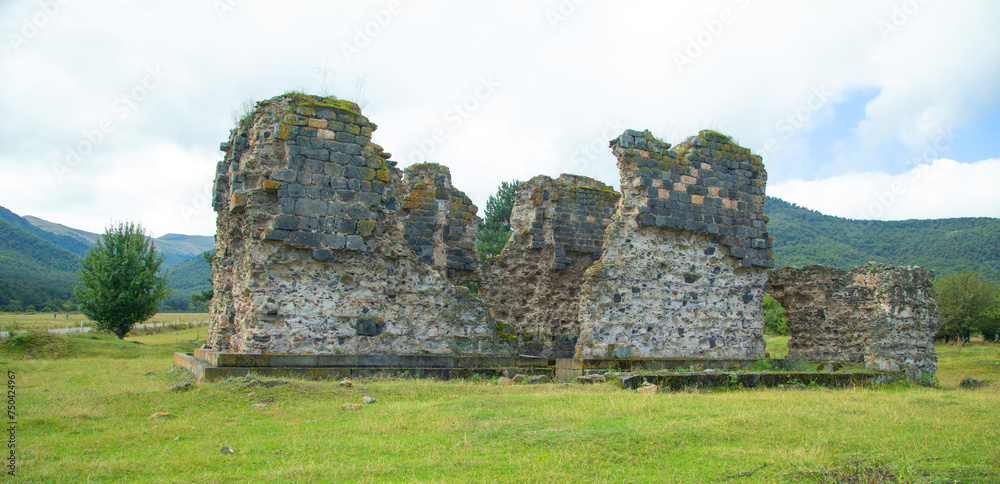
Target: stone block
pixel 304 239
pixel 355 242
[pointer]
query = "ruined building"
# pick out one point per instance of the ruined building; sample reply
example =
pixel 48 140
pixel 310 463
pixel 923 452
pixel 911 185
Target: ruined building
pixel 686 256
pixel 884 316
pixel 325 247
pixel 311 252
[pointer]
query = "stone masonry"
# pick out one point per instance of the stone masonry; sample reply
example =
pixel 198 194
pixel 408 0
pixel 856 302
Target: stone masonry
pixel 684 263
pixel 325 247
pixel 440 222
pixel 884 316
pixel 310 253
pixel 534 284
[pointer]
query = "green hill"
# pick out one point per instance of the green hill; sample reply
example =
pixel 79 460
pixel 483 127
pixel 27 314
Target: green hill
pixel 187 279
pixel 34 273
pixel 802 236
pixel 66 240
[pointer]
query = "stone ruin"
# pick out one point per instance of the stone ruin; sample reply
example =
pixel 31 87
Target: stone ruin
pixel 311 255
pixel 325 247
pixel 884 316
pixel 534 284
pixel 685 259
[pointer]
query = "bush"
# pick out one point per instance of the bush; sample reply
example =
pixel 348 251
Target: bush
pixel 774 317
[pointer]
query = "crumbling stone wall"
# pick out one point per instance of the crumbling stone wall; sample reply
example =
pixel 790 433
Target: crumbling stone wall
pixel 310 252
pixel 534 284
pixel 440 222
pixel 685 258
pixel 884 316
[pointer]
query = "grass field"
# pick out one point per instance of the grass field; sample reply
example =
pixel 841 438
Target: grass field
pixel 83 407
pixel 44 321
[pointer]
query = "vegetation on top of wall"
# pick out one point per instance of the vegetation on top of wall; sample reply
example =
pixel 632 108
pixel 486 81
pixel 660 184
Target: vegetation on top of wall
pixel 301 99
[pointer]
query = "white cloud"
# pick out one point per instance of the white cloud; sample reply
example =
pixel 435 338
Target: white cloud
pixel 560 85
pixel 942 189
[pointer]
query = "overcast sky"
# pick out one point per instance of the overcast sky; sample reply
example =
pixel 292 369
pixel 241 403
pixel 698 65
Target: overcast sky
pixel 114 110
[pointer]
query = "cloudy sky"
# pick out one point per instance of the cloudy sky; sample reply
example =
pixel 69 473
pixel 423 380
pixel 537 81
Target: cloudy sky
pixel 114 109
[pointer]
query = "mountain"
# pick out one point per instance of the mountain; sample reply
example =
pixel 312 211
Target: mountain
pixel 187 279
pixel 174 247
pixel 34 272
pixel 68 241
pixel 802 236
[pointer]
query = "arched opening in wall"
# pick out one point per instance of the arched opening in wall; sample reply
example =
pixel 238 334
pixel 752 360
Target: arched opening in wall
pixel 776 332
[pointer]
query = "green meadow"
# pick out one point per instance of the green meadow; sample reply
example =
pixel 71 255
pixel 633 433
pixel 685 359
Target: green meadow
pixel 45 321
pixel 84 404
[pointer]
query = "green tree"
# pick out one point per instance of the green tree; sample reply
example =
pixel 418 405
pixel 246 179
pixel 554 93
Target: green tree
pixel 774 317
pixel 120 284
pixel 968 305
pixel 205 296
pixel 496 228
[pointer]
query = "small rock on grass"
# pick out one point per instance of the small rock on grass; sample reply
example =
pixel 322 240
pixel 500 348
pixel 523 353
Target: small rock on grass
pixel 346 383
pixel 182 386
pixel 352 406
pixel 590 379
pixel 534 380
pixel 150 373
pixel 520 378
pixel 647 389
pixel 160 415
pixel 970 383
pixel 228 450
pixel 505 381
pixel 368 400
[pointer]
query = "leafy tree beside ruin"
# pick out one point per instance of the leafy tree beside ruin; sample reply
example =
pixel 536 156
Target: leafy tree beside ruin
pixel 969 305
pixel 120 283
pixel 496 228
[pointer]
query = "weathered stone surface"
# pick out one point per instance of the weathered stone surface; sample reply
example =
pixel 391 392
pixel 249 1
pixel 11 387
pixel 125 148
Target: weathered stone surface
pixel 336 275
pixel 690 286
pixel 534 284
pixel 885 316
pixel 440 222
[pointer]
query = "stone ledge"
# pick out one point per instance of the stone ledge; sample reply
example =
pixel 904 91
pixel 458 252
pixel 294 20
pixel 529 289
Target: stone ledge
pixel 205 371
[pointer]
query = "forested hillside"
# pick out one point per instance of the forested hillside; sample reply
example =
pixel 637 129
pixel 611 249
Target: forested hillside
pixel 34 273
pixel 803 236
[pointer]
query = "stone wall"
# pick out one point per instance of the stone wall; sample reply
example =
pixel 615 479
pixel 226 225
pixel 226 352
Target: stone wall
pixel 683 268
pixel 310 252
pixel 534 284
pixel 884 316
pixel 439 221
